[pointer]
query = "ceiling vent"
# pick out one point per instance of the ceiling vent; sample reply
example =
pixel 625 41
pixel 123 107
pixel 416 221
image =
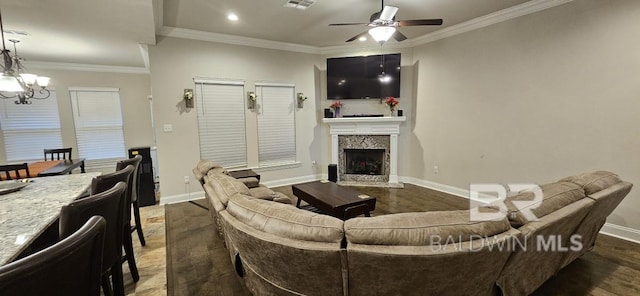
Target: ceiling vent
pixel 299 4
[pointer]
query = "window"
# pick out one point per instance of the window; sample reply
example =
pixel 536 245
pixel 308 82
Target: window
pixel 221 121
pixel 29 129
pixel 276 124
pixel 97 116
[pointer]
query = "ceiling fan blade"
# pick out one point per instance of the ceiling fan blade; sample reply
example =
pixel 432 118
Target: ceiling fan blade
pixel 427 22
pixel 399 36
pixel 357 36
pixel 388 13
pixel 348 24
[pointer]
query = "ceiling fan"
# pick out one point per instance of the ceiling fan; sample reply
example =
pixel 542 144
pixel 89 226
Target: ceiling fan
pixel 384 25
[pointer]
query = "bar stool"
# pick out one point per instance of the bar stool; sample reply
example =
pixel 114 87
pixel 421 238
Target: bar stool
pixel 108 204
pixel 104 182
pixel 70 267
pixel 133 196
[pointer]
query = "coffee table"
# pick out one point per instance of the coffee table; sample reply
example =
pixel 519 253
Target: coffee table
pixel 333 199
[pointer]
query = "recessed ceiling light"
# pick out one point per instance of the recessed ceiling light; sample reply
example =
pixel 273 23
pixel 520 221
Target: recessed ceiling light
pixel 362 39
pixel 232 17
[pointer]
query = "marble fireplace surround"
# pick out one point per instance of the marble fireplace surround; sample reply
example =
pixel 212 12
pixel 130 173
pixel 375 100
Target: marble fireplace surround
pixel 366 133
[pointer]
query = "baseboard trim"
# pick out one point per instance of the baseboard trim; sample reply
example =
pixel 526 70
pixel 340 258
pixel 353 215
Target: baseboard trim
pixel 164 200
pixel 621 232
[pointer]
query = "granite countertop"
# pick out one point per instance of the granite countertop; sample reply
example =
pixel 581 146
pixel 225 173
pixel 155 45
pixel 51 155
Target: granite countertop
pixel 24 214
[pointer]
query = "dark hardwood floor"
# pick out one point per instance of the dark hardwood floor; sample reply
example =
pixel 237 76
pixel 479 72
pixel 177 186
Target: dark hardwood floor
pixel 199 264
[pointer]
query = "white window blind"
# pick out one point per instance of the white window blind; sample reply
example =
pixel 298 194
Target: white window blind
pixel 97 116
pixel 276 124
pixel 29 129
pixel 221 122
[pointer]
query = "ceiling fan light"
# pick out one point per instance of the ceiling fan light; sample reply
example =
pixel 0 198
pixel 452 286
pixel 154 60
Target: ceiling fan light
pixel 10 83
pixel 382 33
pixel 43 81
pixel 29 79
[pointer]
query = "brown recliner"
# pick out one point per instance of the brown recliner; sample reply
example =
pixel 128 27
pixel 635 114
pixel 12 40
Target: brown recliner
pixel 109 204
pixel 70 267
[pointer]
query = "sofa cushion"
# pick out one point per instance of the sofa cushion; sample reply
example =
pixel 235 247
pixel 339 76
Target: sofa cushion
pixel 555 196
pixel 250 182
pixel 205 165
pixel 284 220
pixel 262 192
pixel 594 181
pixel 421 229
pixel 225 187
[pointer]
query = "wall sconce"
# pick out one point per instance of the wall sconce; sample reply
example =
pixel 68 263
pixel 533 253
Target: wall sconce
pixel 301 99
pixel 188 97
pixel 251 100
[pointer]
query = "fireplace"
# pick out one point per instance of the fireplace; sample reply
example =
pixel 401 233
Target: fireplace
pixel 364 161
pixel 378 137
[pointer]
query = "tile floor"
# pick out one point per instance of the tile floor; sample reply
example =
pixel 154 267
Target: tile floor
pixel 150 259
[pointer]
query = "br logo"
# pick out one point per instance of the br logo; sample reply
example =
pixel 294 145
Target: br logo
pixel 495 207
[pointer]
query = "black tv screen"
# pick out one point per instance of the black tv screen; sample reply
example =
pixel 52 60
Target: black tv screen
pixel 362 77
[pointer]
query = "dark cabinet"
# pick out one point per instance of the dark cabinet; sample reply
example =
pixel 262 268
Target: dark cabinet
pixel 146 187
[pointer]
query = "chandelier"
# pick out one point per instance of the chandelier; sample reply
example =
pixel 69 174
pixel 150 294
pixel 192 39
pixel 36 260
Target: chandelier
pixel 14 83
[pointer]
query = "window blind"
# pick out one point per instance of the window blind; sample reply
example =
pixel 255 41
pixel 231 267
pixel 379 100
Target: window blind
pixel 29 129
pixel 97 116
pixel 221 122
pixel 276 124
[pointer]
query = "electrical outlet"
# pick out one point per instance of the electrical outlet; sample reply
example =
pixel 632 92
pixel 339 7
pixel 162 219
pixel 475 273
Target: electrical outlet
pixel 436 169
pixel 186 180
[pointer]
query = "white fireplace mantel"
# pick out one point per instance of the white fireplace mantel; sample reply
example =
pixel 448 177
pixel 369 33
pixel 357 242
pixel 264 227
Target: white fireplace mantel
pixel 368 126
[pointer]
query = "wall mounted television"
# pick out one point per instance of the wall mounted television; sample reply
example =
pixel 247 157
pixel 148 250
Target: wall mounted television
pixel 361 77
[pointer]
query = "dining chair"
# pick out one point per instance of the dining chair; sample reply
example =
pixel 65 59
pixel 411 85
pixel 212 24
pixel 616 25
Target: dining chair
pixel 110 205
pixel 7 169
pixel 132 196
pixel 54 154
pixel 104 182
pixel 70 267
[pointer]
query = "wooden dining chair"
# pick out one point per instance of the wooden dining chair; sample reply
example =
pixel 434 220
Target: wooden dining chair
pixel 15 169
pixel 70 267
pixel 108 204
pixel 55 154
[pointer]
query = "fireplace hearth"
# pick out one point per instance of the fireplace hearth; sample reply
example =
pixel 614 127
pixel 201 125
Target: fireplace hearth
pixel 364 161
pixel 367 133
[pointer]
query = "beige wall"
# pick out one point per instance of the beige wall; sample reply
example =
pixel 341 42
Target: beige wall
pixel 134 92
pixel 534 99
pixel 174 64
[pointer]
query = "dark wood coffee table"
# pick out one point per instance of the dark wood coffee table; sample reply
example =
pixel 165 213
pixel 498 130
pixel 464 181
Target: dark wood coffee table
pixel 335 200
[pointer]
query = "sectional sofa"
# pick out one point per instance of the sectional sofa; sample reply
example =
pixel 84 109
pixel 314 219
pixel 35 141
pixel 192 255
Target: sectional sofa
pixel 279 249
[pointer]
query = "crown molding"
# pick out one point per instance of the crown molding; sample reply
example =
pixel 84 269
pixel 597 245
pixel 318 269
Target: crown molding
pixel 477 23
pixel 236 40
pixel 87 67
pixel 489 19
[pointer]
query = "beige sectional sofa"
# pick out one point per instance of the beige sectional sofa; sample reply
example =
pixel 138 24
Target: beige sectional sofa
pixel 279 249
